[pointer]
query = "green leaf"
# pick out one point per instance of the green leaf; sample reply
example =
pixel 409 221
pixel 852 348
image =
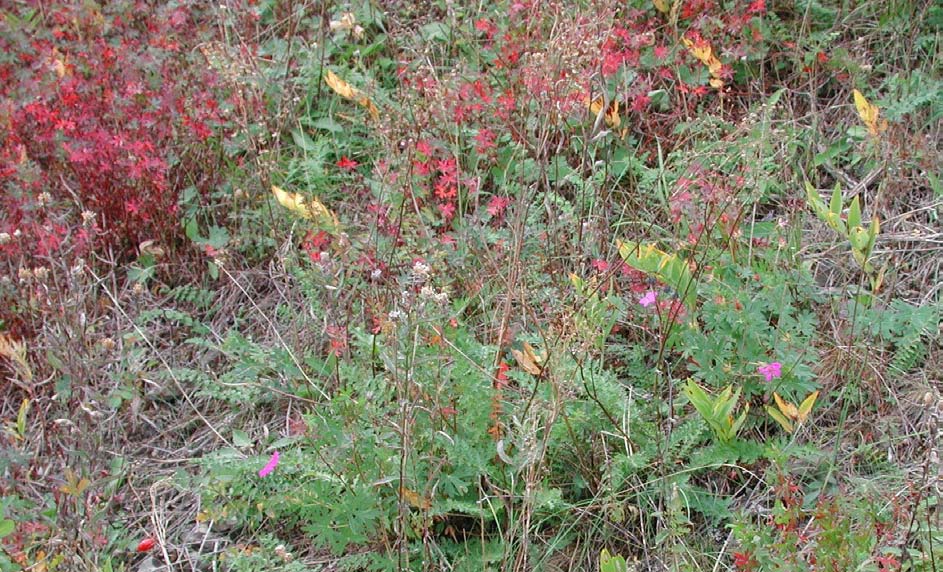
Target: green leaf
pixel 859 239
pixel 699 399
pixel 854 214
pixel 834 205
pixel 739 422
pixel 774 99
pixel 241 438
pixel 21 418
pixel 7 527
pixel 303 141
pixel 436 31
pixel 610 563
pixel 192 229
pixel 833 150
pixel 873 232
pixel 815 201
pixel 327 124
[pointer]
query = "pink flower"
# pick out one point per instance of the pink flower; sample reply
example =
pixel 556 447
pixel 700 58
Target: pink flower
pixel 771 371
pixel 270 466
pixel 648 299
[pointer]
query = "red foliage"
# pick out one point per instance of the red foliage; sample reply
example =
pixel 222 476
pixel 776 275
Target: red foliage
pixel 103 115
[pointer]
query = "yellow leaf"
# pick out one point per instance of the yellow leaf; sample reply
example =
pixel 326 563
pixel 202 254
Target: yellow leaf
pixel 365 102
pixel 16 352
pixel 661 5
pixel 612 112
pixel 340 87
pixel 788 409
pixel 291 201
pixel 779 418
pixel 74 486
pixel 347 91
pixel 714 66
pixel 527 359
pixel 315 210
pixel 414 499
pixel 703 52
pixel 346 23
pixel 40 562
pixel 869 113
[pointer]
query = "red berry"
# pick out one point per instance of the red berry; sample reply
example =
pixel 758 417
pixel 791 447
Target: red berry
pixel 146 544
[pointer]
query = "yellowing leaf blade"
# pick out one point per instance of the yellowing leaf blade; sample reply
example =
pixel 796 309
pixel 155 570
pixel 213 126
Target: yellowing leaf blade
pixel 806 407
pixel 527 359
pixel 415 499
pixel 869 114
pixel 291 201
pixel 611 115
pixel 349 92
pixel 788 409
pixel 780 418
pixel 340 87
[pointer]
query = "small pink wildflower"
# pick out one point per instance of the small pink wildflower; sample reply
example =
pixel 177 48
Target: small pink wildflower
pixel 771 371
pixel 270 466
pixel 648 299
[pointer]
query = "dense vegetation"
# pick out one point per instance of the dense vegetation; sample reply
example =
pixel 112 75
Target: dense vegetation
pixel 532 285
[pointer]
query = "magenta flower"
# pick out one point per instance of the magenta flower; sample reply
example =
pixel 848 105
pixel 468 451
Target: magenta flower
pixel 648 299
pixel 270 466
pixel 771 371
